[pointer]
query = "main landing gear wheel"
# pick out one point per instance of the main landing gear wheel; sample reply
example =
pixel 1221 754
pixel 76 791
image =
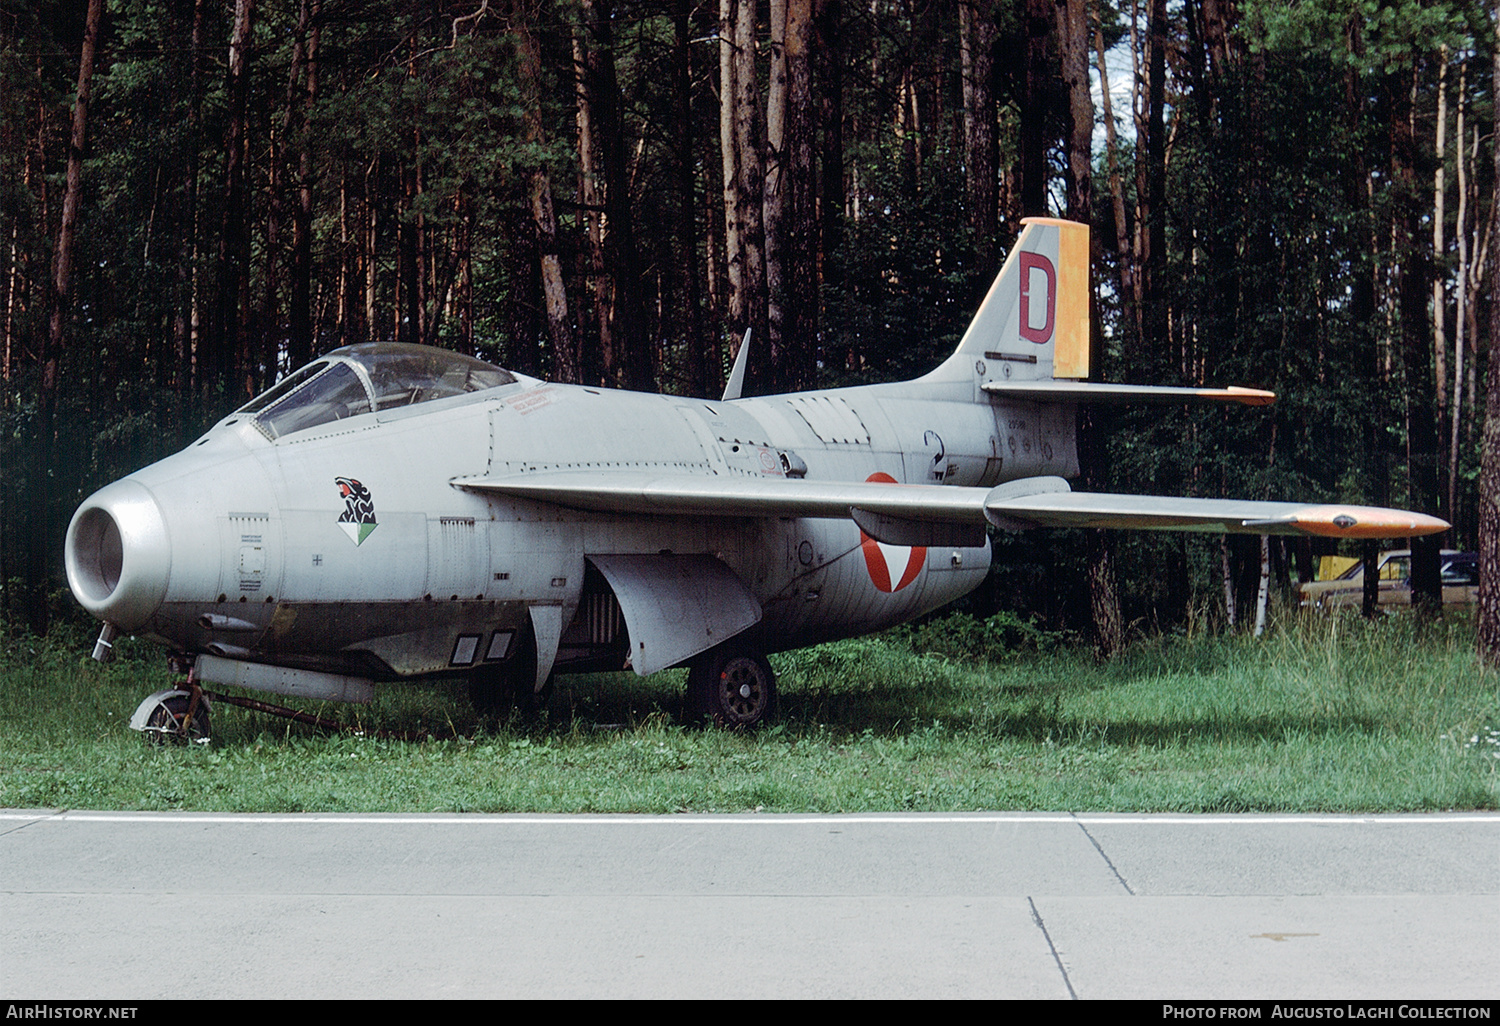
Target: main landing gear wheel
pixel 163 718
pixel 733 687
pixel 498 689
pixel 493 693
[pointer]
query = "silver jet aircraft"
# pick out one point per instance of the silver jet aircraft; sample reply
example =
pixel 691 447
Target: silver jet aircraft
pixel 394 513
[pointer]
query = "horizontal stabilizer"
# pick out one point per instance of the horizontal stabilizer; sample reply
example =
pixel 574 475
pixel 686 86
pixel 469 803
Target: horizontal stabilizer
pixel 893 510
pixel 1103 392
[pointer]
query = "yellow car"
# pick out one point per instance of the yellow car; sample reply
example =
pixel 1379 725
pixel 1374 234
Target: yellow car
pixel 1460 572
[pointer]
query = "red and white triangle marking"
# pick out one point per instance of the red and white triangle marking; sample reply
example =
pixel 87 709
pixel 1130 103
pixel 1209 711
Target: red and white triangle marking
pixel 891 567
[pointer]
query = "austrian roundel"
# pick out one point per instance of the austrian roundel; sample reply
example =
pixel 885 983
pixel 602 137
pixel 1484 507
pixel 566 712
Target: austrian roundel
pixel 891 567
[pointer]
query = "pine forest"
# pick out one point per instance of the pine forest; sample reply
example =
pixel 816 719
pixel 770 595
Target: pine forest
pixel 197 197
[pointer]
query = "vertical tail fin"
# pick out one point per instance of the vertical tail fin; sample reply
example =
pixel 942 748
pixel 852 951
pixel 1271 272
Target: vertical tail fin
pixel 1034 323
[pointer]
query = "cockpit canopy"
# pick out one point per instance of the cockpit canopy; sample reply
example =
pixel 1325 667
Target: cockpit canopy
pixel 365 378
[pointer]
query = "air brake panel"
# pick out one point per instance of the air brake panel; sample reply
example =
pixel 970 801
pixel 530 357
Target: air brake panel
pixel 676 606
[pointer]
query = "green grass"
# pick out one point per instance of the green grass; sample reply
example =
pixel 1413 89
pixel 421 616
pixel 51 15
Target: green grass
pixel 1328 714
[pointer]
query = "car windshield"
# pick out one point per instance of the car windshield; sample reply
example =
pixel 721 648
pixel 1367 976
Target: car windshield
pixel 1394 568
pixel 363 378
pixel 1461 571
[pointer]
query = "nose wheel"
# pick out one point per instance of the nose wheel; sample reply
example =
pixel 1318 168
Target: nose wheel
pixel 176 716
pixel 734 687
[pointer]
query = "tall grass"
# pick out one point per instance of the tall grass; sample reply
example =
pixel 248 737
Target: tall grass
pixel 1327 714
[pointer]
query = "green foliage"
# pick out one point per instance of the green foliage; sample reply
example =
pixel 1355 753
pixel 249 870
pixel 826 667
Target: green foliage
pixel 1000 637
pixel 1379 36
pixel 904 275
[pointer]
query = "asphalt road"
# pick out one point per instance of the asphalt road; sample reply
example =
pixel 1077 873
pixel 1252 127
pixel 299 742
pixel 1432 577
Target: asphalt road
pixel 119 906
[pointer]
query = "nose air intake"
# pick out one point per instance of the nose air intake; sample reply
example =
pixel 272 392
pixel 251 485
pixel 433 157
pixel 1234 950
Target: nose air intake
pixel 96 554
pixel 118 555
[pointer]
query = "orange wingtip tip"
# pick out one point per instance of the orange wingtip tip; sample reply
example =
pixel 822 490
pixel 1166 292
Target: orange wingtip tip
pixel 1251 396
pixel 1055 222
pixel 1367 522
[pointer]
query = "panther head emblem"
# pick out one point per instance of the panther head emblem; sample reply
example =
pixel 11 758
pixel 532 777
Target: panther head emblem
pixel 358 518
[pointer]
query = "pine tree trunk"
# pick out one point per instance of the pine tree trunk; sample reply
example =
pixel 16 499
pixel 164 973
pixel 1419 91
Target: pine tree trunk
pixel 1369 598
pixel 1461 313
pixel 185 307
pixel 39 563
pixel 628 358
pixel 830 77
pixel 1073 45
pixel 1416 351
pixel 591 197
pixel 744 181
pixel 729 154
pixel 694 344
pixel 554 293
pixel 300 104
pixel 775 200
pixel 227 357
pixel 790 217
pixel 1040 70
pixel 1362 312
pixel 977 36
pixel 1489 477
pixel 1153 221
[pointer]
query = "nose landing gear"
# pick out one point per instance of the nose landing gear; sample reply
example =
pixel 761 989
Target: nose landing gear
pixel 181 714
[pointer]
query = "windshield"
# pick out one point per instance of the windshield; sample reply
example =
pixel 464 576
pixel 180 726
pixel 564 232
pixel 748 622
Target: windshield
pixel 359 379
pixel 282 387
pixel 332 395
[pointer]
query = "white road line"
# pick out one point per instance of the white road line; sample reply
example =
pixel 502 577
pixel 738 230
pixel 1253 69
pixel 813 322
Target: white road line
pixel 767 819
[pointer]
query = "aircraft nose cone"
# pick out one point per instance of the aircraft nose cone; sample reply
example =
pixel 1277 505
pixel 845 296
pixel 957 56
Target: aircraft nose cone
pixel 118 555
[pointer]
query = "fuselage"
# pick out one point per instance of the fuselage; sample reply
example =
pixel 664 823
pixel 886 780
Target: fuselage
pixel 341 544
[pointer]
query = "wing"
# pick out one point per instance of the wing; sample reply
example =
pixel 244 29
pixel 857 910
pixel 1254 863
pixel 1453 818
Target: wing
pixel 932 514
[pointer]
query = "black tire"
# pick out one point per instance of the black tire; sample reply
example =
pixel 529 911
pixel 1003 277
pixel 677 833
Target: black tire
pixel 733 687
pixel 492 694
pixel 498 689
pixel 165 724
